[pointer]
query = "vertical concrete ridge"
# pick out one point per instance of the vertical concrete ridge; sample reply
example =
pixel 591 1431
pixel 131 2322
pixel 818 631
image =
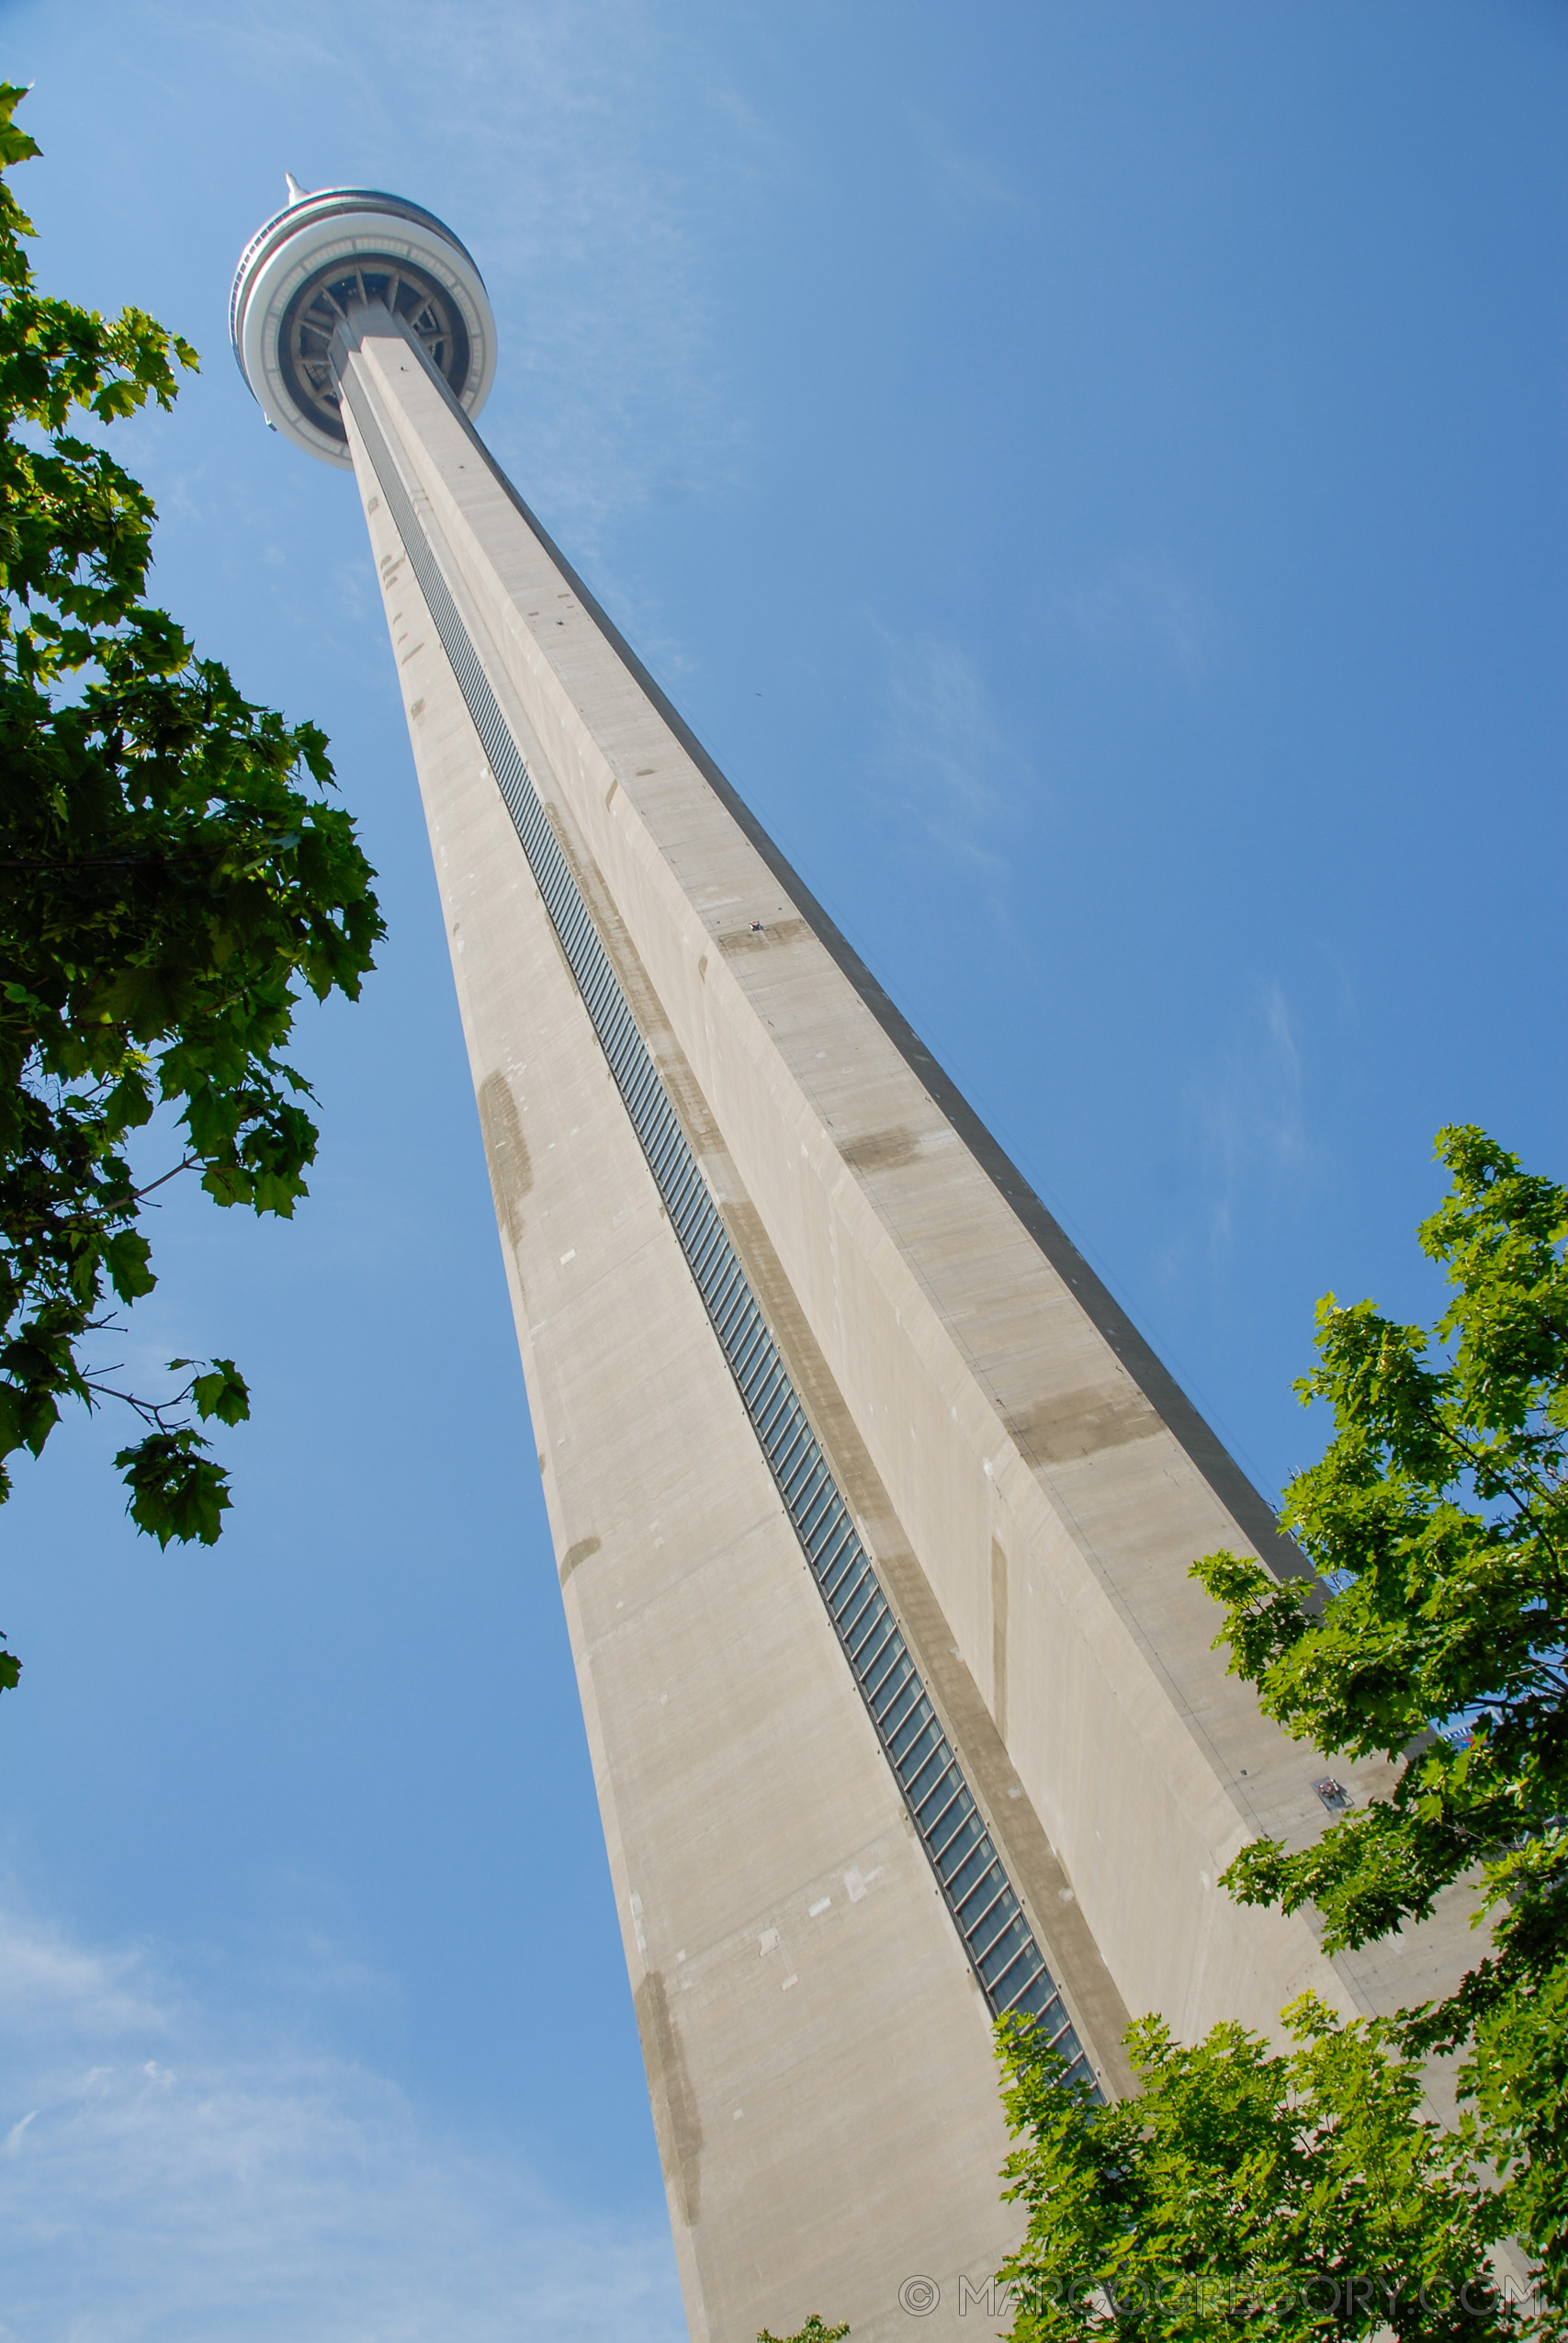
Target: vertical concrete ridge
pixel 999 1637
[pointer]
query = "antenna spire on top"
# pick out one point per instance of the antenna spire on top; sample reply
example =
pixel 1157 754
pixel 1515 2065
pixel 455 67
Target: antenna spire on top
pixel 297 194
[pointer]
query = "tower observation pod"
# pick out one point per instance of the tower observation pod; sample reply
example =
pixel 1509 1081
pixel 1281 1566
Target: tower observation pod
pixel 873 1513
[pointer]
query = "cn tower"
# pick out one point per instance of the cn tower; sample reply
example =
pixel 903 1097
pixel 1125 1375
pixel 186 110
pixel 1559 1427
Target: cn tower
pixel 873 1513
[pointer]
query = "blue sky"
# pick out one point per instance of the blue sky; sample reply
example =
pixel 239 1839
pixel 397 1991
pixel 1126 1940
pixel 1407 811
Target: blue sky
pixel 1094 476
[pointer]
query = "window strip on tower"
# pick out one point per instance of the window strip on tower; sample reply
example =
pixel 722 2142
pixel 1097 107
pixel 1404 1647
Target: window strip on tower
pixel 985 1910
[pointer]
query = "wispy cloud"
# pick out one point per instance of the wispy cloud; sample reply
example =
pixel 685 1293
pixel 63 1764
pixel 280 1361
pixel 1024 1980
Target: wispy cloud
pixel 961 180
pixel 535 129
pixel 162 2175
pixel 52 1987
pixel 764 151
pixel 944 745
pixel 1247 1118
pixel 1143 610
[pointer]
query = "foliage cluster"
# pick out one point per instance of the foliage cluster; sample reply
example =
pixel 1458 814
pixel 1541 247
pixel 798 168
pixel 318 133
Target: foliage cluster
pixel 1247 2193
pixel 1437 1523
pixel 171 877
pixel 1432 1634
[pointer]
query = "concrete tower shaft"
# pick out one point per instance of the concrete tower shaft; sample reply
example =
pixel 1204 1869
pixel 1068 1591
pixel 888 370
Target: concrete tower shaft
pixel 872 1512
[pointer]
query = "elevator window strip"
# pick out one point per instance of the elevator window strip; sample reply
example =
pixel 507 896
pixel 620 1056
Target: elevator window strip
pixel 991 1924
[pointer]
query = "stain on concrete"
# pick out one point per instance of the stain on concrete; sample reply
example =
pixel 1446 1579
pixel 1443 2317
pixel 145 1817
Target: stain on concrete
pixel 763 939
pixel 999 1637
pixel 1081 1423
pixel 882 1151
pixel 676 2122
pixel 581 1552
pixel 506 1152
